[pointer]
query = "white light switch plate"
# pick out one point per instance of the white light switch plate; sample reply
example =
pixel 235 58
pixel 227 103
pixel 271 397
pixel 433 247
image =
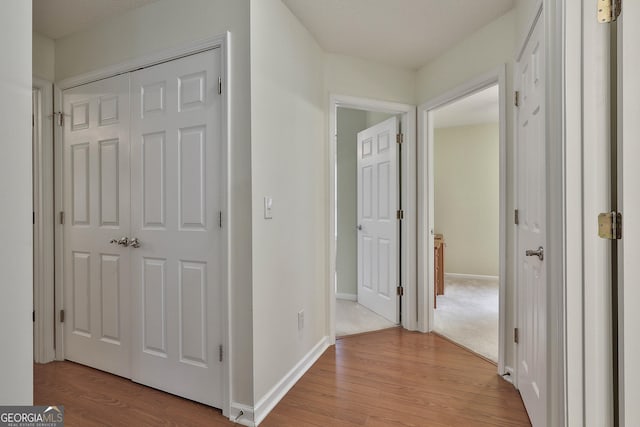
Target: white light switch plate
pixel 268 203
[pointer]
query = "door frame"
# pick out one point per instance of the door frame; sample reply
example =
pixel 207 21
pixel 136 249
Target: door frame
pixel 221 42
pixel 426 216
pixel 43 238
pixel 407 267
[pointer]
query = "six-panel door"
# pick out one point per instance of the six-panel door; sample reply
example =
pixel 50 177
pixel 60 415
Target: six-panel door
pixel 150 310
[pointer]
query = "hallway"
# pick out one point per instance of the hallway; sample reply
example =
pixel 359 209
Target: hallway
pixel 386 378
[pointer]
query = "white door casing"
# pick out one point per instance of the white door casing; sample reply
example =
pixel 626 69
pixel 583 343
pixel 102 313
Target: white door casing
pixel 531 201
pixel 377 193
pixel 96 188
pixel 177 195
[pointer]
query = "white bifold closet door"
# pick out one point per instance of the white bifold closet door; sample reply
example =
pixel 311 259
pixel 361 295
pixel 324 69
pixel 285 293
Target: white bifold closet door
pixel 96 188
pixel 172 276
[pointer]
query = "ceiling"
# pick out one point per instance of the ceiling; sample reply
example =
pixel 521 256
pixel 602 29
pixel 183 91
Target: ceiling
pixel 478 108
pixel 58 18
pixel 405 33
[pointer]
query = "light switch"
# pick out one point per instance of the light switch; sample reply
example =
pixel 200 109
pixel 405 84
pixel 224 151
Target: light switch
pixel 268 203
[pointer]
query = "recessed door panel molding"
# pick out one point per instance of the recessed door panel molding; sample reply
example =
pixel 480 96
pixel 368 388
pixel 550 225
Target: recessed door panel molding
pixel 192 162
pixel 384 191
pixel 532 297
pixel 377 223
pixel 110 298
pixel 80 183
pixel 154 180
pixel 80 115
pixel 153 99
pixel 366 193
pixel 82 294
pixel 193 313
pixel 108 110
pixel 384 273
pixel 192 91
pixel 154 307
pixel 383 142
pixel 109 186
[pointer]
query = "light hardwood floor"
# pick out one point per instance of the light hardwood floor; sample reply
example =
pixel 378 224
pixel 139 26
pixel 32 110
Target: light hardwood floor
pixel 386 378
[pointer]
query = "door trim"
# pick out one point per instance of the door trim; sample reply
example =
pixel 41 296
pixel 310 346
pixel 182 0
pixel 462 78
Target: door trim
pixel 426 209
pixel 408 188
pixel 43 238
pixel 221 42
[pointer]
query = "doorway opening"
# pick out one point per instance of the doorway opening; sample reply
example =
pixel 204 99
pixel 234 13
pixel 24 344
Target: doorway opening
pixel 372 248
pixel 359 307
pixel 477 266
pixel 466 221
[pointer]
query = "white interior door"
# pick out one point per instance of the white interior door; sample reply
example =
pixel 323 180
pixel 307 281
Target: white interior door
pixel 629 205
pixel 377 184
pixel 532 283
pixel 96 193
pixel 177 183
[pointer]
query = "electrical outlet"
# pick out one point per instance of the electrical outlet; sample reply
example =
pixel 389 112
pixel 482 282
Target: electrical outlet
pixel 301 320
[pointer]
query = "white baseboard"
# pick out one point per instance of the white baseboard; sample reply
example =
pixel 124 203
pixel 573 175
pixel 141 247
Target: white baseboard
pixel 273 396
pixel 348 297
pixel 470 276
pixel 242 414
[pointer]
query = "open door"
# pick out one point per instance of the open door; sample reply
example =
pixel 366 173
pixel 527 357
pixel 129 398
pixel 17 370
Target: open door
pixel 377 183
pixel 531 264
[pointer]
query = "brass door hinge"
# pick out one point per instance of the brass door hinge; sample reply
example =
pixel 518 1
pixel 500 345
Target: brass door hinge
pixel 220 352
pixel 62 217
pixel 516 335
pixel 400 214
pixel 61 316
pixel 219 85
pixel 399 138
pixel 400 291
pixel 609 10
pixel 516 217
pixel 610 225
pixel 516 98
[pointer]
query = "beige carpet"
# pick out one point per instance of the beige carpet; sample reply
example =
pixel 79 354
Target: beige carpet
pixel 467 313
pixel 352 318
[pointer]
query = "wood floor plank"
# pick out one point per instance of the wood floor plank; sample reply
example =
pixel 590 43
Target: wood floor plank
pixel 387 378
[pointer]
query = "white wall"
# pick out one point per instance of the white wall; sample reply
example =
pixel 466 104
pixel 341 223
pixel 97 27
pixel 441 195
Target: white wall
pixel 16 283
pixel 165 24
pixel 345 75
pixel 289 163
pixel 43 57
pixel 488 48
pixel 375 117
pixel 349 123
pixel 467 197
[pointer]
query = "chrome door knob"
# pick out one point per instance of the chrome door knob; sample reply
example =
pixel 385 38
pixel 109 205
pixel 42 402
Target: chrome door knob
pixel 537 252
pixel 123 241
pixel 135 243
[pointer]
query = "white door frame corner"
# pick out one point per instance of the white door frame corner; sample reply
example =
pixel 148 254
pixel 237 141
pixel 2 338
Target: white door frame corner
pixel 222 42
pixel 426 209
pixel 408 188
pixel 43 265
